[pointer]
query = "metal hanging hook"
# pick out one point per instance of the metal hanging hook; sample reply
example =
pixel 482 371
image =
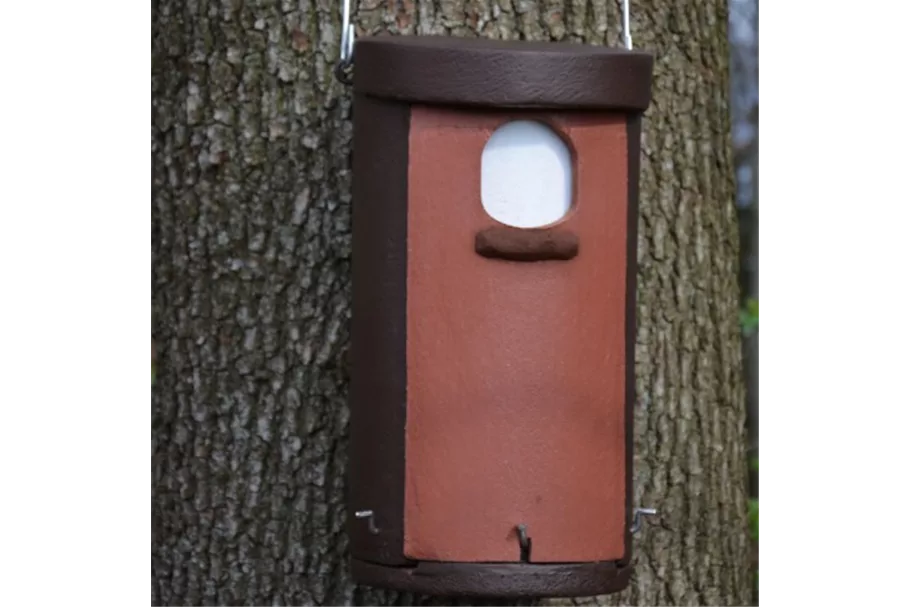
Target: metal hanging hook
pixel 346 45
pixel 638 513
pixel 627 37
pixel 371 524
pixel 524 543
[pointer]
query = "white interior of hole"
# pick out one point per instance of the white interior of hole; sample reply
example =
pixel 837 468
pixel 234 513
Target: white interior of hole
pixel 526 175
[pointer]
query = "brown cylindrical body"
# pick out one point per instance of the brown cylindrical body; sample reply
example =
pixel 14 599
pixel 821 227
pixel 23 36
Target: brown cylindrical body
pixel 492 366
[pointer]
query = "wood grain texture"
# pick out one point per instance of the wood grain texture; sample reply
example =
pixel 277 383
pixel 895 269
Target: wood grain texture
pixel 251 246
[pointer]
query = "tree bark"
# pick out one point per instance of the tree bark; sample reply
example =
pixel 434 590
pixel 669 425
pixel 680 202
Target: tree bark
pixel 251 249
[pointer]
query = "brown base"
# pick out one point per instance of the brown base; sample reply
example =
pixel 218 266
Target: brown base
pixel 496 580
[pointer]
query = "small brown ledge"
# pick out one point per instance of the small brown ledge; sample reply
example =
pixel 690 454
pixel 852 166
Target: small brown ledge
pixel 517 244
pixel 496 580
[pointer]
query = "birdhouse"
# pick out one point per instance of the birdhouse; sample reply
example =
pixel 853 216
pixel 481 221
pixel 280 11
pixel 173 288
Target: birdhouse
pixel 495 191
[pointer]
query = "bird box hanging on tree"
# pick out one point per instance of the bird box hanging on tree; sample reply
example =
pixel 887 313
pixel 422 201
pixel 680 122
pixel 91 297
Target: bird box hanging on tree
pixel 495 191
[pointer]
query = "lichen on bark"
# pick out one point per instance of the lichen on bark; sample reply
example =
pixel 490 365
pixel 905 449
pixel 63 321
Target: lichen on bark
pixel 251 139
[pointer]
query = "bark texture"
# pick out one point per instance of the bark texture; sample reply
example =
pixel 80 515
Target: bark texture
pixel 251 249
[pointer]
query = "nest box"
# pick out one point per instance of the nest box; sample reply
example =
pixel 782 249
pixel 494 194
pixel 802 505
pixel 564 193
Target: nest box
pixel 494 282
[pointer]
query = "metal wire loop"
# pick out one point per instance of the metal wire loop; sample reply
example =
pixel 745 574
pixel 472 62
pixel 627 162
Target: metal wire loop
pixel 346 46
pixel 627 37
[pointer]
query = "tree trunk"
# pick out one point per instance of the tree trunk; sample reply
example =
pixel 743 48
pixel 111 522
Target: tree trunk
pixel 251 251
